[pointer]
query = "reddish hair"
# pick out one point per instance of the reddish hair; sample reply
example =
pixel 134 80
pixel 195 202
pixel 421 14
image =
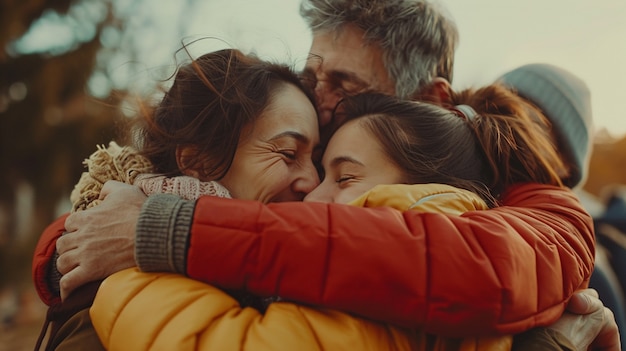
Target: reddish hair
pixel 210 102
pixel 515 136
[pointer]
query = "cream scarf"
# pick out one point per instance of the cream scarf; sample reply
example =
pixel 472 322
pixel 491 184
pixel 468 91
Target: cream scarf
pixel 126 165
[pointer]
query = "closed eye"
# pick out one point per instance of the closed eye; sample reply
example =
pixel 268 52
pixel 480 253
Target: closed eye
pixel 344 179
pixel 288 154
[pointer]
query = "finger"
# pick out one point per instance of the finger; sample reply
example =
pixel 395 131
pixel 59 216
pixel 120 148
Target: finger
pixel 583 303
pixel 70 222
pixel 66 262
pixel 589 291
pixel 72 280
pixel 65 243
pixel 608 338
pixel 75 220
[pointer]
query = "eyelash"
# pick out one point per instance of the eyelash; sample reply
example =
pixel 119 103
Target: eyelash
pixel 291 155
pixel 344 179
pixel 338 86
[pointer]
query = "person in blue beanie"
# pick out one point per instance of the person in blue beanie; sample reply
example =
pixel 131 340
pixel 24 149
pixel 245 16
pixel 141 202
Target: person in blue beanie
pixel 566 100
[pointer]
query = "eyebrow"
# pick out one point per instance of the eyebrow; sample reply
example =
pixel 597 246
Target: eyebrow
pixel 344 159
pixel 291 134
pixel 347 76
pixel 336 75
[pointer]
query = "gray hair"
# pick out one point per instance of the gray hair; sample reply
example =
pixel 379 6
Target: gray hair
pixel 417 37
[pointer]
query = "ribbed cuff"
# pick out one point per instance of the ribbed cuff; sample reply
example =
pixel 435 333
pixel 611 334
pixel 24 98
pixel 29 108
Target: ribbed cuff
pixel 163 234
pixel 54 276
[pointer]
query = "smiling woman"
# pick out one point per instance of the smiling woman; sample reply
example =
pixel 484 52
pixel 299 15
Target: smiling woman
pixel 231 125
pixel 270 152
pixel 233 118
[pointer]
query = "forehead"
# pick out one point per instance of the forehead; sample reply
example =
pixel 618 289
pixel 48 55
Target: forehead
pixel 354 140
pixel 288 109
pixel 344 53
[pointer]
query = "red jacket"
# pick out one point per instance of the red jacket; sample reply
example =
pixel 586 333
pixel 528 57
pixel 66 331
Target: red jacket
pixel 503 270
pixel 196 316
pixel 464 276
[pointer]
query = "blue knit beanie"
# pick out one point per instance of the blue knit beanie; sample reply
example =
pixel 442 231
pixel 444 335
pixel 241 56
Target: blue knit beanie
pixel 566 101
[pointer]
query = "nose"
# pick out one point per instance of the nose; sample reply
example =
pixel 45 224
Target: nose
pixel 319 194
pixel 307 180
pixel 326 99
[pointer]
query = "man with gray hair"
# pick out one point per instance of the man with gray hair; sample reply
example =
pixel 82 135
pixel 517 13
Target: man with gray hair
pixel 403 48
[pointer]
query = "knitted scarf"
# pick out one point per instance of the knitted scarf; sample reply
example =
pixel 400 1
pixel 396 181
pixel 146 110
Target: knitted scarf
pixel 126 165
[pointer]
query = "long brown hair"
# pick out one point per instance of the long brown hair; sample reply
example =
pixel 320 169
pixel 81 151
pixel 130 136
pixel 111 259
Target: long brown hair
pixel 508 141
pixel 210 102
pixel 430 143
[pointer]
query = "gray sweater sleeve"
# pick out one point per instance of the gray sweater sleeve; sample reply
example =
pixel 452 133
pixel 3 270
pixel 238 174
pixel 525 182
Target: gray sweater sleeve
pixel 163 234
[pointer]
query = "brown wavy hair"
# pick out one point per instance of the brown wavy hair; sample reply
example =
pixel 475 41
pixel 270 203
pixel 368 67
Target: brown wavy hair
pixel 210 102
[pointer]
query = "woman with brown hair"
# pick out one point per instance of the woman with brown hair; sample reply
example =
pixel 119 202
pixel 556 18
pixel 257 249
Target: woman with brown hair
pixel 231 125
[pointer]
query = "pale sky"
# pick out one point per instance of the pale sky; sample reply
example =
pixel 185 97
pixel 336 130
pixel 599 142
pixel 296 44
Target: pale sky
pixel 588 38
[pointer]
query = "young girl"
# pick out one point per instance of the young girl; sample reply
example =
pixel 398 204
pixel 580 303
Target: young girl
pixel 382 141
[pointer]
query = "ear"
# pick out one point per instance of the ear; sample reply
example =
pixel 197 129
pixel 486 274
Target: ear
pixel 184 155
pixel 438 92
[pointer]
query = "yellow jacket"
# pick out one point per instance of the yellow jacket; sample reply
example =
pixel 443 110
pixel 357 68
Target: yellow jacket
pixel 161 311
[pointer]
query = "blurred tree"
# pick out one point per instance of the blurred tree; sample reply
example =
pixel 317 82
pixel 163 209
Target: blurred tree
pixel 604 167
pixel 65 71
pixel 48 122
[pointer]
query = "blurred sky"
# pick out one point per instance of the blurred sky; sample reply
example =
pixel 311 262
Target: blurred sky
pixel 585 37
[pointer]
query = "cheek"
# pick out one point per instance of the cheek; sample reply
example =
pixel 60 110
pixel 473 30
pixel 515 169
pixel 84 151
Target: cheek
pixel 274 183
pixel 235 182
pixel 347 195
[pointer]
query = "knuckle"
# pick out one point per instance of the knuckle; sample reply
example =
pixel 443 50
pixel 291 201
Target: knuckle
pixel 65 282
pixel 61 241
pixel 70 221
pixel 63 265
pixel 60 263
pixel 608 313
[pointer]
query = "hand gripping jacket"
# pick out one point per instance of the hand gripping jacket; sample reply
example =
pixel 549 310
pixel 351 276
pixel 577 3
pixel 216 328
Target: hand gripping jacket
pixel 191 315
pixel 502 270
